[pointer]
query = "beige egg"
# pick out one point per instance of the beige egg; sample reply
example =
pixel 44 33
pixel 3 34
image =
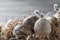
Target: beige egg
pixel 21 31
pixel 57 15
pixel 53 20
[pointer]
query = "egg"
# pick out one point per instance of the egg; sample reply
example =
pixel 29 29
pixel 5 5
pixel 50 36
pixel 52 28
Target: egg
pixel 42 27
pixel 21 31
pixel 30 21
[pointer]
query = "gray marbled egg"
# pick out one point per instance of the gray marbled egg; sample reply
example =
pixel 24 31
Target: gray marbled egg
pixel 30 21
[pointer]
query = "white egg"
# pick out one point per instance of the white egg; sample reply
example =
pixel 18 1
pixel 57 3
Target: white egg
pixel 42 26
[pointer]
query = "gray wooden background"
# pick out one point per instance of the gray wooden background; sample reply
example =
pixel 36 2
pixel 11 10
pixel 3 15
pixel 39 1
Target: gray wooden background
pixel 20 8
